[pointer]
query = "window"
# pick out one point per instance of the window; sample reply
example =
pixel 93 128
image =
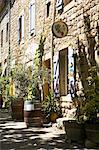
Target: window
pixel 60 4
pixel 2 38
pixel 48 8
pixel 21 29
pixel 32 17
pixel 7 31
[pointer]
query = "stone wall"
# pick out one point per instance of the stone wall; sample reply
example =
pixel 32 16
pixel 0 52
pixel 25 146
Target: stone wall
pixel 73 14
pixel 4 49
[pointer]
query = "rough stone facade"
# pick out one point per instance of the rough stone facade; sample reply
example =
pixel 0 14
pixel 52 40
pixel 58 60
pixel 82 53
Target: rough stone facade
pixel 73 14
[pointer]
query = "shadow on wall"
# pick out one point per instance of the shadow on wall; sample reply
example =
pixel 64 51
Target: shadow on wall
pixel 85 59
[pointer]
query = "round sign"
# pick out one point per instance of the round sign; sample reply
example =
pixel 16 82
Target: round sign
pixel 59 29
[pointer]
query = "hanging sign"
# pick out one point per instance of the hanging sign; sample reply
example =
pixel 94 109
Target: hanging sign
pixel 59 29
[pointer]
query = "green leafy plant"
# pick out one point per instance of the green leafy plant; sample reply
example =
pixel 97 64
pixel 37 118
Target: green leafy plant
pixel 88 104
pixel 38 71
pixel 49 105
pixel 22 80
pixel 4 88
pixel 91 105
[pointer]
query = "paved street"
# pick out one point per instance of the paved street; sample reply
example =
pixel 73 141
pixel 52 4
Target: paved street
pixel 15 136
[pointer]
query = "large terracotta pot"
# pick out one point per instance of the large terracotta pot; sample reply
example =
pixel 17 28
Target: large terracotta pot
pixel 53 117
pixel 17 109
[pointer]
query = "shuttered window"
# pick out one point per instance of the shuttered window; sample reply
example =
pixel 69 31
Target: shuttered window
pixel 32 17
pixel 61 3
pixel 7 31
pixel 48 8
pixel 2 38
pixel 21 29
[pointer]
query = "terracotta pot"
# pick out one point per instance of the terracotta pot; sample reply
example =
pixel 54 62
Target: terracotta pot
pixel 53 117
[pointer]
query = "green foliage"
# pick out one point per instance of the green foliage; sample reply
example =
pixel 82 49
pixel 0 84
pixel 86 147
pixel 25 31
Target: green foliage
pixel 22 79
pixel 37 69
pixel 91 106
pixel 88 104
pixel 4 86
pixel 49 105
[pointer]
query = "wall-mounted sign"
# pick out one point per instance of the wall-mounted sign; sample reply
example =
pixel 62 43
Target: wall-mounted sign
pixel 59 29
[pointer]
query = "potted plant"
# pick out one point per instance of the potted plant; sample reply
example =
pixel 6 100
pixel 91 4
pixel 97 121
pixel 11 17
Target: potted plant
pixel 33 98
pixel 87 109
pixel 32 107
pixel 34 117
pixel 50 108
pixel 90 107
pixel 74 127
pixel 20 80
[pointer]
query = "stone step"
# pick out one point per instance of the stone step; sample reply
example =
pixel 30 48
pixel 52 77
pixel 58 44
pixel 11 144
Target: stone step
pixel 59 122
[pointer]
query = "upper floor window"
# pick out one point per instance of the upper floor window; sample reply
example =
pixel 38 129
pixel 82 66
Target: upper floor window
pixel 7 31
pixel 48 8
pixel 21 29
pixel 32 17
pixel 61 3
pixel 2 38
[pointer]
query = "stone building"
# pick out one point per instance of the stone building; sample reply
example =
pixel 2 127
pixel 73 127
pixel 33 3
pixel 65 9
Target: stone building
pixel 23 21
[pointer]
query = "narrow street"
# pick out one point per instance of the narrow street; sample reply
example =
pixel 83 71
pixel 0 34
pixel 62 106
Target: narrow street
pixel 15 136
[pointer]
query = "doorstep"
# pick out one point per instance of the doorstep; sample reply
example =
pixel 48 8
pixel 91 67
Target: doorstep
pixel 59 122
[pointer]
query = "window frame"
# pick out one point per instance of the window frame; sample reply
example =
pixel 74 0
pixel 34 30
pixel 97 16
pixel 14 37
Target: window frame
pixel 2 38
pixel 32 17
pixel 7 31
pixel 21 28
pixel 48 4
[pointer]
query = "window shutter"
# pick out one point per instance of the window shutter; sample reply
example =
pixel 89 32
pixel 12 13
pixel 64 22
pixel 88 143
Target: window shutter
pixel 56 75
pixel 22 28
pixel 32 17
pixel 71 71
pixel 59 4
pixel 18 32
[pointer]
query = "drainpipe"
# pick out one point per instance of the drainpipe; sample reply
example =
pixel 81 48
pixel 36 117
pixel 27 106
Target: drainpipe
pixel 9 31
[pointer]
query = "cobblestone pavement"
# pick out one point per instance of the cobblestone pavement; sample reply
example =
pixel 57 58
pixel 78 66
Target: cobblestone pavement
pixel 15 136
